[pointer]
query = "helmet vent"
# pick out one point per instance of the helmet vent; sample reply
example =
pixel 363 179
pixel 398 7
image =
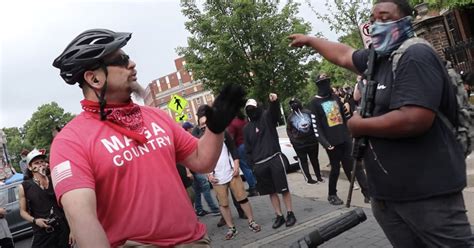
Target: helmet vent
pixel 91 54
pixel 102 40
pixel 70 54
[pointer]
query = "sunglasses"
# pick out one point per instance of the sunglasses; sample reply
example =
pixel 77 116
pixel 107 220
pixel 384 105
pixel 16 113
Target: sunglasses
pixel 40 162
pixel 121 60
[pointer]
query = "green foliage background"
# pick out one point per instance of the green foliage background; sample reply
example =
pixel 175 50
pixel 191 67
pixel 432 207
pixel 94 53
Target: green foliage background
pixel 37 131
pixel 246 42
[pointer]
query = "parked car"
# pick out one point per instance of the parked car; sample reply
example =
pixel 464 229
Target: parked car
pixel 289 155
pixel 18 226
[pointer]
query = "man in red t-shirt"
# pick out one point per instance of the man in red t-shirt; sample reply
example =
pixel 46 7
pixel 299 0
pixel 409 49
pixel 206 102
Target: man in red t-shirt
pixel 114 165
pixel 236 131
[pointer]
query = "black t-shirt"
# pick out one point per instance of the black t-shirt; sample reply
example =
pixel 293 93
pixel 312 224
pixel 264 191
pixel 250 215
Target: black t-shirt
pixel 330 118
pixel 41 201
pixel 300 129
pixel 261 136
pixel 187 182
pixel 416 167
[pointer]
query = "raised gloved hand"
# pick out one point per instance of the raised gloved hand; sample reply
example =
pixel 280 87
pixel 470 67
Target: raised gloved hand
pixel 225 107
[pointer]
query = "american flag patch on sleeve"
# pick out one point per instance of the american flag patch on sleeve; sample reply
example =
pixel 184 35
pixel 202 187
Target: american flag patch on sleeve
pixel 61 172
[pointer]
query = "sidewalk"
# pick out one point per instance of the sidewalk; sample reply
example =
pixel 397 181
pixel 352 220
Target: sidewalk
pixel 312 210
pixel 310 214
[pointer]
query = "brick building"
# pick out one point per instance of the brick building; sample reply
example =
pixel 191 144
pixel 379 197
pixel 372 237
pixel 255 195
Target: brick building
pixel 180 82
pixel 451 32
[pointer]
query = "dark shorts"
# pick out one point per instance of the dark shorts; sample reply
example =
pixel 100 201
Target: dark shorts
pixel 271 176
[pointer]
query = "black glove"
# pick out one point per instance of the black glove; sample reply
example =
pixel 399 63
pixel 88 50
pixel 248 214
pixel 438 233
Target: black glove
pixel 225 107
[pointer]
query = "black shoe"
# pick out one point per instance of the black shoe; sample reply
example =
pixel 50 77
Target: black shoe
pixel 311 181
pixel 279 221
pixel 290 218
pixel 221 222
pixel 202 213
pixel 321 180
pixel 366 199
pixel 334 200
pixel 252 192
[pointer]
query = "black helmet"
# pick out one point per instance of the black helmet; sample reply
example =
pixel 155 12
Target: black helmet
pixel 87 50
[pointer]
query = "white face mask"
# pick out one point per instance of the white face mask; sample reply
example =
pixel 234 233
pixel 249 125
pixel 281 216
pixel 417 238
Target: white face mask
pixel 388 36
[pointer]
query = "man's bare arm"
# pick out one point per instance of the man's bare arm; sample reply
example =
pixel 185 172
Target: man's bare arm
pixel 204 158
pixel 407 121
pixel 337 53
pixel 80 207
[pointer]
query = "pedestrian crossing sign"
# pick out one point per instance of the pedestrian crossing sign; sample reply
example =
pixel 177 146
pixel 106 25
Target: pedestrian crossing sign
pixel 177 104
pixel 182 117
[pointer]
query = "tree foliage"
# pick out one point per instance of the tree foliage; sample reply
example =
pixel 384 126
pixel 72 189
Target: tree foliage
pixel 15 143
pixel 344 16
pixel 38 129
pixel 245 42
pixel 442 4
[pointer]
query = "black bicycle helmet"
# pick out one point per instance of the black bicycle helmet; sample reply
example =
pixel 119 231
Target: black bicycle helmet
pixel 86 51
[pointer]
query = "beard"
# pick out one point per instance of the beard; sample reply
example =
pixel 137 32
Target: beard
pixel 138 91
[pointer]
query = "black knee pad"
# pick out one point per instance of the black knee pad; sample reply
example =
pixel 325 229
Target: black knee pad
pixel 244 201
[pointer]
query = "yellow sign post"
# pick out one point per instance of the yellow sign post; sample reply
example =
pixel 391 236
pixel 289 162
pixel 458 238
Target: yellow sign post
pixel 177 104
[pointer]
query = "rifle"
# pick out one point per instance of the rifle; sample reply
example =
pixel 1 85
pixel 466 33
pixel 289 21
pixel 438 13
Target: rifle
pixel 366 111
pixel 331 229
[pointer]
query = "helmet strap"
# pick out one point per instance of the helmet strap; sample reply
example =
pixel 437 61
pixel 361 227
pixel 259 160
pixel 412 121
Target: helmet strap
pixel 102 101
pixel 101 96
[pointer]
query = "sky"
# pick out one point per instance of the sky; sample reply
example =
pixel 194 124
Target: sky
pixel 34 33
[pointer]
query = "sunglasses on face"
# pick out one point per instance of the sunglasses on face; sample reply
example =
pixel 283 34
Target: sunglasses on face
pixel 121 60
pixel 39 161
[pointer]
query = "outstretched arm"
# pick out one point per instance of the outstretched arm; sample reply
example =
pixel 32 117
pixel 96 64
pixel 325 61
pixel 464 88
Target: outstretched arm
pixel 337 53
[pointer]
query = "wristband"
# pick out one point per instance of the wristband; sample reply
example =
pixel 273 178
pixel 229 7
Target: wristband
pixel 34 221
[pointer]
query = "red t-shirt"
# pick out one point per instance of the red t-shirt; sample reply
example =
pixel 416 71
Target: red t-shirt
pixel 140 196
pixel 236 130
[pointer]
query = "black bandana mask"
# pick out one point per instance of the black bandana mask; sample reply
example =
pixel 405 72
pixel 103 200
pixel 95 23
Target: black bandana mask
pixel 253 113
pixel 295 105
pixel 324 87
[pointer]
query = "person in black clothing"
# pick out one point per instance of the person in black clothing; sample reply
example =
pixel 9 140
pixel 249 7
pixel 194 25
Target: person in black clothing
pixel 38 205
pixel 328 112
pixel 415 166
pixel 186 177
pixel 264 155
pixel 304 139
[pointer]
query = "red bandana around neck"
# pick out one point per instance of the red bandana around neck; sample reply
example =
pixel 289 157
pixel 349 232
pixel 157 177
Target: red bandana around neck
pixel 125 118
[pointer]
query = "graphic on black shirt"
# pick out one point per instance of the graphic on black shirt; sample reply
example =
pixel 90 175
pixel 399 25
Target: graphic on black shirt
pixel 301 122
pixel 333 115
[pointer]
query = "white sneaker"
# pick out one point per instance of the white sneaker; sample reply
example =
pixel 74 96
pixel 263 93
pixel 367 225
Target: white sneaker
pixel 356 186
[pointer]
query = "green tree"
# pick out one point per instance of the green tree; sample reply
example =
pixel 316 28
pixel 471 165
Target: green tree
pixel 245 42
pixel 441 4
pixel 38 129
pixel 15 143
pixel 343 17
